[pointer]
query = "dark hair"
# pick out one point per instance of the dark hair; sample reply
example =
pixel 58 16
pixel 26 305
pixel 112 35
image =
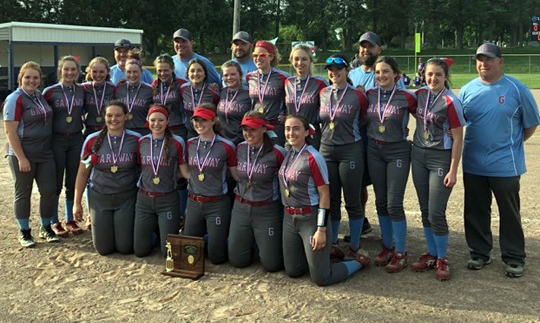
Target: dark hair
pixel 135 53
pixel 103 133
pixel 268 143
pixel 198 61
pixel 304 122
pixel 442 64
pixel 390 61
pixel 167 59
pixel 232 63
pixel 218 127
pixel 343 57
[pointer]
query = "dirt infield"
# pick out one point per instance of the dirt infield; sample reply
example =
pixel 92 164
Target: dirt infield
pixel 70 282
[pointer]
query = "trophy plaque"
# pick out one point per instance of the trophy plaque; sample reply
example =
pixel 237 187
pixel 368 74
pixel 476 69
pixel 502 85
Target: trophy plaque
pixel 185 257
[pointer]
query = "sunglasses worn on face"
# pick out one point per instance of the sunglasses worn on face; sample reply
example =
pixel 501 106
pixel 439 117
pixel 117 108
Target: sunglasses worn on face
pixel 261 55
pixel 336 61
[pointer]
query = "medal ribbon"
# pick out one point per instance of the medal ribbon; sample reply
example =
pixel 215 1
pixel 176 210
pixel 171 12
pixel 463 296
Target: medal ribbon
pixel 428 105
pixel 114 156
pixel 130 104
pixel 100 106
pixel 155 168
pixel 193 106
pixel 228 104
pixel 287 170
pixel 261 96
pixel 162 99
pixel 199 165
pixel 40 105
pixel 334 112
pixel 251 168
pixel 387 106
pixel 69 105
pixel 297 101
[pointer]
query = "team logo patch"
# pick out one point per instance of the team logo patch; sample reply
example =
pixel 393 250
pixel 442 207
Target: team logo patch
pixel 501 99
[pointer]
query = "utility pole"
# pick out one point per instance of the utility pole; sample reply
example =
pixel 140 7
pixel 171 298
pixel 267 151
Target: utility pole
pixel 236 19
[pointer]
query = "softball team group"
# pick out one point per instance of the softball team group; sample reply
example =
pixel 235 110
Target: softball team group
pixel 149 157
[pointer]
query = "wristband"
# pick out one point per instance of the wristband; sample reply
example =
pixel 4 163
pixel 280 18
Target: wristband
pixel 321 218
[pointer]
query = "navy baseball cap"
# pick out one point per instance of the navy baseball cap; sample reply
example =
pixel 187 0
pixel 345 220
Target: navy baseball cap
pixel 182 33
pixel 242 36
pixel 122 43
pixel 371 38
pixel 490 50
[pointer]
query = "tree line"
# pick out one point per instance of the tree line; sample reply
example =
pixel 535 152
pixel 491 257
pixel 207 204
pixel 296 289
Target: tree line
pixel 333 24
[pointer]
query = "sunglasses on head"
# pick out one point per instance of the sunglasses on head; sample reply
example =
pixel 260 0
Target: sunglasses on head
pixel 336 61
pixel 261 55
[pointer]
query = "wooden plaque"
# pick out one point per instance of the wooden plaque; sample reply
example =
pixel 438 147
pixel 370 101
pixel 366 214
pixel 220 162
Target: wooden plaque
pixel 185 257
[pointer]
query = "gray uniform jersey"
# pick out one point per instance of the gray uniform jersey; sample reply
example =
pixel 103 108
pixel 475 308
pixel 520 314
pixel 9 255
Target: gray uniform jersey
pixel 124 179
pixel 62 100
pixel 262 171
pixel 231 110
pixel 168 94
pixel 304 100
pixel 168 167
pixel 193 98
pixel 268 92
pixel 35 124
pixel 138 101
pixel 343 110
pixel 396 118
pixel 96 98
pixel 443 113
pixel 304 173
pixel 215 160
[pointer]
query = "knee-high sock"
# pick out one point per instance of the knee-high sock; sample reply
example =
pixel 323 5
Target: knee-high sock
pixel 355 226
pixel 400 235
pixel 352 266
pixel 430 242
pixel 24 224
pixel 386 230
pixel 335 231
pixel 54 218
pixel 69 210
pixel 442 245
pixel 45 221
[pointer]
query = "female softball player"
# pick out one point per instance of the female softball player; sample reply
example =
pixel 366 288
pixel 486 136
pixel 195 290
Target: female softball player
pixel 343 109
pixel 196 92
pixel 109 167
pixel 302 91
pixel 303 180
pixel 160 155
pixel 209 156
pixel 98 92
pixel 234 102
pixel 136 95
pixel 67 101
pixel 267 86
pixel 435 160
pixel 28 126
pixel 255 216
pixel 389 158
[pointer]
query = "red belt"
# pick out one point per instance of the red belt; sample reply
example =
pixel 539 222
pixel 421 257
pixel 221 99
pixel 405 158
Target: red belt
pixel 150 194
pixel 250 203
pixel 202 199
pixel 297 210
pixel 380 142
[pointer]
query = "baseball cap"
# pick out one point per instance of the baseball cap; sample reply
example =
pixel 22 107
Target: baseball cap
pixel 243 36
pixel 204 114
pixel 489 49
pixel 255 123
pixel 371 38
pixel 122 43
pixel 182 33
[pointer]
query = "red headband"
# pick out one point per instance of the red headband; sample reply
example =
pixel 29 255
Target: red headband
pixel 161 110
pixel 266 45
pixel 255 123
pixel 204 114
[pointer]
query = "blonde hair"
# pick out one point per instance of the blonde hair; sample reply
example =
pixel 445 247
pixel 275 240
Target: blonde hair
pixel 63 61
pixel 306 50
pixel 30 65
pixel 97 60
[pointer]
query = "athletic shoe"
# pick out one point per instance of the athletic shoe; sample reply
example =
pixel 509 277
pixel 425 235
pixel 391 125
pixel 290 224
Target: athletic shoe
pixel 47 233
pixel 366 228
pixel 25 238
pixel 359 255
pixel 73 228
pixel 59 229
pixel 442 272
pixel 398 262
pixel 336 253
pixel 514 270
pixel 477 263
pixel 384 257
pixel 426 262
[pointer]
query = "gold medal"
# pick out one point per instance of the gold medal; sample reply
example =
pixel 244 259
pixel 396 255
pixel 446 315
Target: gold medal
pixel 190 259
pixel 249 185
pixel 130 117
pixel 156 180
pixel 287 192
pixel 261 110
pixel 201 177
pixel 382 128
pixel 69 119
pixel 114 169
pixel 332 125
pixel 99 119
pixel 426 136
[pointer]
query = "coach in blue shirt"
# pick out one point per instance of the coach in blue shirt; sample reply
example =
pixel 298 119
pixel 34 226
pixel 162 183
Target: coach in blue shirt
pixel 501 115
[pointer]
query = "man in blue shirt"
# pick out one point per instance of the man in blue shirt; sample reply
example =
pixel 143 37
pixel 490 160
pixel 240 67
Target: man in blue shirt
pixel 183 45
pixel 501 115
pixel 121 50
pixel 242 49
